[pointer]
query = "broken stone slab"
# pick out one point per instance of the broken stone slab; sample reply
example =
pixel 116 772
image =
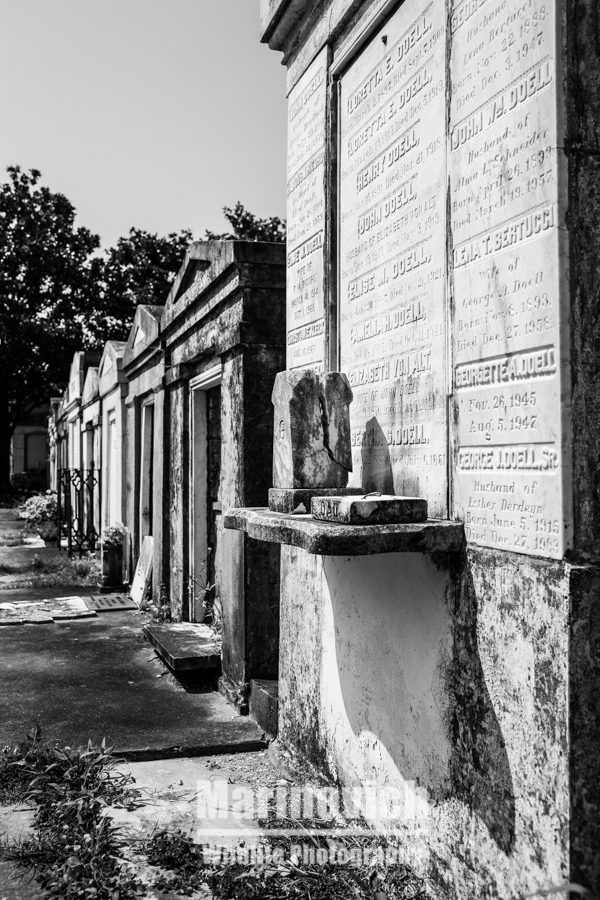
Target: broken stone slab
pixel 69 608
pixel 378 510
pixel 10 616
pixel 297 500
pixel 36 613
pixel 336 397
pixel 311 441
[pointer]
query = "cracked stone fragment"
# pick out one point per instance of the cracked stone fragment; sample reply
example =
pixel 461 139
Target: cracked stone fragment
pixel 9 615
pixel 311 444
pixel 70 608
pixel 336 399
pixel 36 613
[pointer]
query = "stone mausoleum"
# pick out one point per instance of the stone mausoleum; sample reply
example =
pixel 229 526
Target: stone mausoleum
pixel 443 222
pixel 143 461
pixel 163 431
pixel 223 333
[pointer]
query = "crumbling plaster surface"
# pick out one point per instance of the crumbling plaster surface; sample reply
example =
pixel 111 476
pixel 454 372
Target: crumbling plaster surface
pixel 449 685
pixel 231 545
pixel 178 484
pixel 249 580
pixel 584 724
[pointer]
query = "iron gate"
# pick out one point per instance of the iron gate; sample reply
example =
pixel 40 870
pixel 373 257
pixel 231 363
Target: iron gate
pixel 78 509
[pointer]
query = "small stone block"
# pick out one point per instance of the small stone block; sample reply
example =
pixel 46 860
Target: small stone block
pixel 264 704
pixel 297 500
pixel 185 646
pixel 381 510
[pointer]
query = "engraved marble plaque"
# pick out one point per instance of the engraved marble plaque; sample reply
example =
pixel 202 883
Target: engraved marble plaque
pixel 392 255
pixel 306 217
pixel 507 267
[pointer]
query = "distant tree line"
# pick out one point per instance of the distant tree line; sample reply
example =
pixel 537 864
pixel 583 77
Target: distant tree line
pixel 60 293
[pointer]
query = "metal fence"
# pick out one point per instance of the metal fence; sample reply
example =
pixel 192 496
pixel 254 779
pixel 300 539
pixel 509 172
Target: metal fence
pixel 78 509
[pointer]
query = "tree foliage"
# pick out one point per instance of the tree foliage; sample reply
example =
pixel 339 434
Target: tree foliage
pixel 48 273
pixel 248 227
pixel 140 268
pixel 59 293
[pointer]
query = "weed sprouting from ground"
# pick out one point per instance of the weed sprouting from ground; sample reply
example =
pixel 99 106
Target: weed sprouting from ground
pixel 75 851
pixel 284 878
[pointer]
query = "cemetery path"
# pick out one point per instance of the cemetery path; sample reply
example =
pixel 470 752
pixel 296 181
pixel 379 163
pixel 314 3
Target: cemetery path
pixel 11 527
pixel 98 678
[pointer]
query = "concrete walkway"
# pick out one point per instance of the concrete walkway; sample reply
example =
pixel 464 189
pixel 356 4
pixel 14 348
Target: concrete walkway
pixel 173 794
pixel 98 678
pixel 11 527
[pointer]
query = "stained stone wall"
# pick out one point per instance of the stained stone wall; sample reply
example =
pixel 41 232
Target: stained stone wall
pixel 113 391
pixel 443 253
pixel 143 456
pixel 224 327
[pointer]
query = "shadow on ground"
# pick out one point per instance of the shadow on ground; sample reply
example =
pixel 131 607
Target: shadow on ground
pixel 96 678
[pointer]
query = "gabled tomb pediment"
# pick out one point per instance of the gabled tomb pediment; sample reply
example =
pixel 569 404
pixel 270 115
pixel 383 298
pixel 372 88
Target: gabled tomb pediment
pixel 144 332
pixel 109 372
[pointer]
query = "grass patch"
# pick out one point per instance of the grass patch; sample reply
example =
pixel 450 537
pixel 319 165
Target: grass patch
pixel 75 851
pixel 12 539
pixel 51 571
pixel 283 876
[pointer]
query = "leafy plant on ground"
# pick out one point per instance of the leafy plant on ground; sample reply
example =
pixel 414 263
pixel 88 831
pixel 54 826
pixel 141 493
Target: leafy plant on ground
pixel 75 851
pixel 159 608
pixel 289 879
pixel 14 763
pixel 39 509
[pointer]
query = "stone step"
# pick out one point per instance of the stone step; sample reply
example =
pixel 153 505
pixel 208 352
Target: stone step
pixel 186 646
pixel 264 704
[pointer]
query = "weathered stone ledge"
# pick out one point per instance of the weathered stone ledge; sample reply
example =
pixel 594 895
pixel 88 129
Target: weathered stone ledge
pixel 325 539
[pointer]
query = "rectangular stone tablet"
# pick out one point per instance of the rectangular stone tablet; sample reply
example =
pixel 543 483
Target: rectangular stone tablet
pixel 382 510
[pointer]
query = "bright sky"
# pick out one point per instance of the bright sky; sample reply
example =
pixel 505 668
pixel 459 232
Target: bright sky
pixel 153 113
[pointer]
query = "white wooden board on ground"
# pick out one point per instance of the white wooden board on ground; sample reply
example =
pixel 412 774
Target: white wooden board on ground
pixel 143 572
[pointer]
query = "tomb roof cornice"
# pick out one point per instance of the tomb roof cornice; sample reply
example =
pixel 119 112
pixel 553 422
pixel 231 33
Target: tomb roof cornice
pixel 150 358
pixel 212 272
pixel 280 19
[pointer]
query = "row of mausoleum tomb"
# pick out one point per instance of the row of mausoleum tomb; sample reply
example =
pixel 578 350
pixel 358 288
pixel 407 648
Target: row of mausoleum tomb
pixel 163 432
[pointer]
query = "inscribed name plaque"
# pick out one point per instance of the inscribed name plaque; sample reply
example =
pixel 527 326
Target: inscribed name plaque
pixel 505 216
pixel 392 255
pixel 380 510
pixel 307 107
